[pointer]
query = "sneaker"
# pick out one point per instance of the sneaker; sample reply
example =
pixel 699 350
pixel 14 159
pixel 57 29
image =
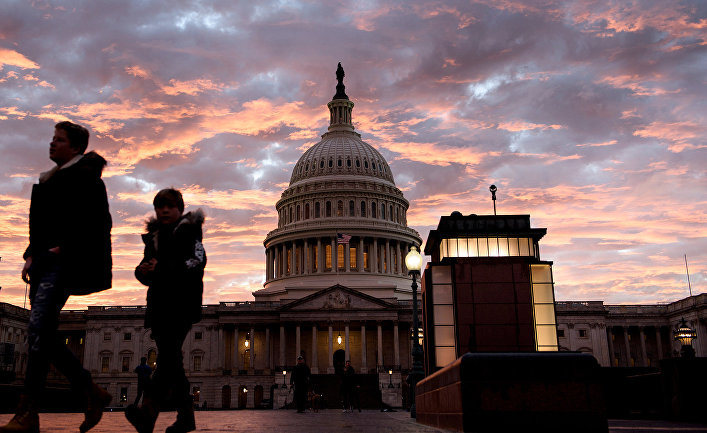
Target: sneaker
pixel 26 419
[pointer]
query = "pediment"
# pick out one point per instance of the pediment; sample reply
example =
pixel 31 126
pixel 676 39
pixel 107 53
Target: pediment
pixel 337 297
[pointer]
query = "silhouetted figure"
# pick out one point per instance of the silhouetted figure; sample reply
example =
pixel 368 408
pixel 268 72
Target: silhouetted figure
pixel 173 268
pixel 300 378
pixel 143 378
pixel 348 388
pixel 340 88
pixel 69 253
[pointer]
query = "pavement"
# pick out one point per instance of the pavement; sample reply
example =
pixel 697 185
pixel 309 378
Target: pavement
pixel 325 421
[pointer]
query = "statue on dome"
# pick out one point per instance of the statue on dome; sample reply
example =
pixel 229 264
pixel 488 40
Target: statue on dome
pixel 340 88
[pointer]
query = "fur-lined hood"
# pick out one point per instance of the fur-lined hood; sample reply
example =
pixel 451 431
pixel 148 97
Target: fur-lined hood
pixel 90 162
pixel 195 217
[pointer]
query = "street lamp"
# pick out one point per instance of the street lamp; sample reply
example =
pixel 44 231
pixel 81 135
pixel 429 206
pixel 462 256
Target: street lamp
pixel 390 378
pixel 284 374
pixel 413 261
pixel 684 334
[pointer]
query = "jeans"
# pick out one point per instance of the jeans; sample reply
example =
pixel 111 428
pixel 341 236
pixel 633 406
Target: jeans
pixel 169 379
pixel 47 298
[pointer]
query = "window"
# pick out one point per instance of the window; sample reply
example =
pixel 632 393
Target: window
pixel 338 163
pixel 316 210
pixel 127 336
pixel 373 210
pixel 327 258
pixel 292 216
pixel 365 163
pixel 582 333
pixel 390 214
pixel 340 208
pixel 106 336
pixel 561 333
pixel 543 308
pixel 352 208
pixel 314 261
pixel 353 258
pixel 363 208
pixel 197 363
pixel 487 247
pixel 306 211
pixel 340 257
pixel 321 164
pixel 348 163
pixel 443 316
pixel 383 210
pixel 123 394
pixel 105 364
pixel 289 261
pixel 198 335
pixel 125 366
pixel 297 215
pixel 365 257
pixel 331 163
pixel 328 209
pixel 358 163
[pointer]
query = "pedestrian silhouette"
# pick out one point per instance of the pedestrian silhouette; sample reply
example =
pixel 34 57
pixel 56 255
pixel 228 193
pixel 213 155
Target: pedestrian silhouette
pixel 143 378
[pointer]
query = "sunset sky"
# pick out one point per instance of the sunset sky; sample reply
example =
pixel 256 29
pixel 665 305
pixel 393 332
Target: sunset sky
pixel 590 116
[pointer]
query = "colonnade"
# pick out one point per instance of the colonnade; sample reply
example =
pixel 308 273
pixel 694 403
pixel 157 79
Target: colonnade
pixel 325 255
pixel 622 336
pixel 279 355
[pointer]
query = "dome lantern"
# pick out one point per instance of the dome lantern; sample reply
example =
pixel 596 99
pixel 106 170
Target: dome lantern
pixel 340 107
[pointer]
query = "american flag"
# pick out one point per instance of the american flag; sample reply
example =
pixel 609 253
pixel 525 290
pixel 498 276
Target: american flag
pixel 342 238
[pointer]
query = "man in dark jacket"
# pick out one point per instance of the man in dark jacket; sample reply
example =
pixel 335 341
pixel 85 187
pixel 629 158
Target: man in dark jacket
pixel 69 253
pixel 173 268
pixel 300 378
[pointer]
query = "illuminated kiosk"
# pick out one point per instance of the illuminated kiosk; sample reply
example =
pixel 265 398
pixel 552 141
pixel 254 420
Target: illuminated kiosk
pixel 490 335
pixel 486 289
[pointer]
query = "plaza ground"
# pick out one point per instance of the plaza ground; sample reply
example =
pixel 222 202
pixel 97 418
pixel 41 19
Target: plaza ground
pixel 326 421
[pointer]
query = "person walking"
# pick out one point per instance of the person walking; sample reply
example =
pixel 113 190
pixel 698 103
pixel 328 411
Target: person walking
pixel 143 372
pixel 300 378
pixel 348 388
pixel 173 269
pixel 69 253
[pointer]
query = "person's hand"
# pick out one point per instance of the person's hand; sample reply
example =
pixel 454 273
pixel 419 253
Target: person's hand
pixel 148 266
pixel 25 269
pixel 55 250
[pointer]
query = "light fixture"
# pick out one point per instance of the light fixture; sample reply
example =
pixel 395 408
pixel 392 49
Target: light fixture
pixel 413 260
pixel 390 378
pixel 284 374
pixel 247 340
pixel 684 334
pixel 339 339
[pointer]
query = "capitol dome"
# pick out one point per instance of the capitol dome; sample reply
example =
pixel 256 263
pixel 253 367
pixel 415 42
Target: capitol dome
pixel 341 221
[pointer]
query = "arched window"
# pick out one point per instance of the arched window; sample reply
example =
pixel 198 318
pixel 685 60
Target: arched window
pixel 331 163
pixel 340 257
pixel 373 210
pixel 348 163
pixel 297 215
pixel 338 163
pixel 328 209
pixel 363 209
pixel 352 208
pixel 292 216
pixel 373 165
pixel 390 213
pixel 340 208
pixel 306 211
pixel 365 163
pixel 317 208
pixel 321 164
pixel 382 210
pixel 358 163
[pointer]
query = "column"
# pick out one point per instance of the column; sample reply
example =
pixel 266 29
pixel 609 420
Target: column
pixel 628 347
pixel 284 259
pixel 267 264
pixel 610 338
pixel 252 348
pixel 314 363
pixel 644 357
pixel 305 253
pixel 346 345
pixel 404 268
pixel 380 345
pixel 320 265
pixel 334 256
pixel 388 261
pixel 221 348
pixel 364 361
pixel 396 344
pixel 293 262
pixel 331 350
pixel 347 258
pixel 398 266
pixel 298 345
pixel 282 347
pixel 236 356
pixel 658 343
pixel 268 363
pixel 359 255
pixel 374 256
pixel 276 253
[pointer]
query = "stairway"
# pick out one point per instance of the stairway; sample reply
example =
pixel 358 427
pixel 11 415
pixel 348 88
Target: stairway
pixel 329 386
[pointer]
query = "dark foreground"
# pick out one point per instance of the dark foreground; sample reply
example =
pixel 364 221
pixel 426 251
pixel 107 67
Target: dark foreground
pixel 326 421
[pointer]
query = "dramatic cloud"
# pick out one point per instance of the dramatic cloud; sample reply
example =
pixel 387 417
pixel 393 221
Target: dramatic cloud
pixel 587 115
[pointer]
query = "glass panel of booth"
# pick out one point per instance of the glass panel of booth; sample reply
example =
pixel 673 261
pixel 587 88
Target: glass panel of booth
pixel 441 275
pixel 444 356
pixel 443 314
pixel 442 294
pixel 444 336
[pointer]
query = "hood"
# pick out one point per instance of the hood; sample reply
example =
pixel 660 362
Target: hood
pixel 90 162
pixel 195 217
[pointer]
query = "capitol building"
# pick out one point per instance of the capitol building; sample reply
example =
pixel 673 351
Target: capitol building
pixel 336 289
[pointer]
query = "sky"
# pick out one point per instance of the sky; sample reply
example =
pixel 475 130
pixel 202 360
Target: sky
pixel 588 115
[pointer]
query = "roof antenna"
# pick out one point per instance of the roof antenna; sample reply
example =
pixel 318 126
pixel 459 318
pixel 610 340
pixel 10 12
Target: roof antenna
pixel 687 270
pixel 493 190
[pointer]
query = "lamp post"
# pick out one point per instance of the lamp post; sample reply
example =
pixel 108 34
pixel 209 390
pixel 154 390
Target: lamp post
pixel 390 378
pixel 413 261
pixel 684 334
pixel 284 375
